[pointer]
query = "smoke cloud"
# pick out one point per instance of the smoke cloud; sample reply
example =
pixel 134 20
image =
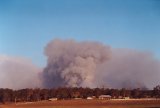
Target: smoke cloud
pixel 73 63
pixel 82 64
pixel 18 73
pixel 130 69
pixel 92 64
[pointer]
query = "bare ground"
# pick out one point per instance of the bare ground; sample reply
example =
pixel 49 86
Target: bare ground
pixel 87 104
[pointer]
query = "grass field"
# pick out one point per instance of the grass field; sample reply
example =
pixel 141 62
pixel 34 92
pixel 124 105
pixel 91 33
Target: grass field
pixel 88 104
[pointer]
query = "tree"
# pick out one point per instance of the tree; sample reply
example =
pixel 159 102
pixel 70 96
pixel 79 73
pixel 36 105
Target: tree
pixel 115 93
pixel 97 92
pixel 136 93
pixel 156 91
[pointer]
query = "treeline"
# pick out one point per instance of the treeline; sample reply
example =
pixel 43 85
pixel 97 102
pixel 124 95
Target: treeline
pixel 31 95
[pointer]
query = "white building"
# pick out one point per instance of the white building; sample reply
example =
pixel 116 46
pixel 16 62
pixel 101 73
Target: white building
pixel 126 98
pixel 52 99
pixel 89 98
pixel 107 97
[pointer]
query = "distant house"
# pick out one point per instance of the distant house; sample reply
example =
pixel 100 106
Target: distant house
pixel 52 99
pixel 126 98
pixel 107 97
pixel 89 98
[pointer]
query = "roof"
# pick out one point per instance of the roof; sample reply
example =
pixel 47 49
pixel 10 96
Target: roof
pixel 107 96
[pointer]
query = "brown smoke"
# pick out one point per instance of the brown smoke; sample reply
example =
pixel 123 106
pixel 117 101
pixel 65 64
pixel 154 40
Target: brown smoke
pixel 92 64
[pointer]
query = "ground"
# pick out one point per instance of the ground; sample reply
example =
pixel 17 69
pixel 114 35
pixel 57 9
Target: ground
pixel 87 104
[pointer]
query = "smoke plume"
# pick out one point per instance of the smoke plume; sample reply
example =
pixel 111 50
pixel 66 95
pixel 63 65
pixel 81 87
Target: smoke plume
pixel 92 64
pixel 18 73
pixel 73 63
pixel 130 69
pixel 82 64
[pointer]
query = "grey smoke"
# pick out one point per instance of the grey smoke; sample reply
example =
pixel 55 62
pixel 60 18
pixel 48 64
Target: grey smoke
pixel 18 73
pixel 73 63
pixel 87 64
pixel 92 64
pixel 131 69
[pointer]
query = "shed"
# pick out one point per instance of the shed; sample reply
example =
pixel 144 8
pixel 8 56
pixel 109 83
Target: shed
pixel 52 99
pixel 89 98
pixel 126 98
pixel 107 97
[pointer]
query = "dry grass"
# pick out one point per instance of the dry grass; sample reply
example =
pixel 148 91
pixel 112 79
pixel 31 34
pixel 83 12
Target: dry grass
pixel 88 104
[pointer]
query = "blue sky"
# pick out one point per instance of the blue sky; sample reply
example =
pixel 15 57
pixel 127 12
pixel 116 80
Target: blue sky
pixel 26 26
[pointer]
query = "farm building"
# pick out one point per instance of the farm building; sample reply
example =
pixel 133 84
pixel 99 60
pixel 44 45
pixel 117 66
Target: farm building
pixel 107 97
pixel 126 98
pixel 52 99
pixel 89 98
pixel 77 98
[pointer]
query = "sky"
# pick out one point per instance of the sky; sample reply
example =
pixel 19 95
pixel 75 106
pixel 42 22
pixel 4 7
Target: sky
pixel 26 26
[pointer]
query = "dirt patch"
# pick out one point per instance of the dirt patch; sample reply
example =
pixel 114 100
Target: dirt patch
pixel 88 104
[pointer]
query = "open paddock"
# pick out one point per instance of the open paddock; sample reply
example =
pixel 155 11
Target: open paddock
pixel 136 103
